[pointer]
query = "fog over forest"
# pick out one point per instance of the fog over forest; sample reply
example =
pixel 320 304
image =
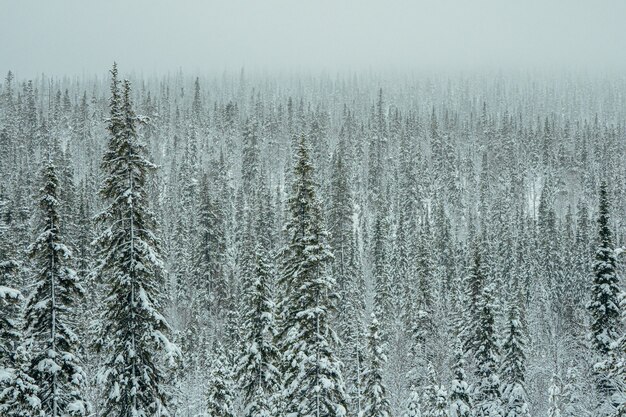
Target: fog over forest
pixel 312 209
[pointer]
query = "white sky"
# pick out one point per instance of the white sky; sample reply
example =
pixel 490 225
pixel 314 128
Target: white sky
pixel 76 37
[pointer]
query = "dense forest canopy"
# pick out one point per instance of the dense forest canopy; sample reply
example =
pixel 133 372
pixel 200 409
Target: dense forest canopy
pixel 360 244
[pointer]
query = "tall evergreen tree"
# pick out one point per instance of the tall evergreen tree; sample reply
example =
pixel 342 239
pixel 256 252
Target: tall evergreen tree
pixel 220 395
pixel 313 383
pixel 460 401
pixel 488 396
pixel 133 329
pixel 514 364
pixel 375 393
pixel 413 408
pixel 19 393
pixel 435 397
pixel 604 305
pixel 9 311
pixel 49 322
pixel 257 368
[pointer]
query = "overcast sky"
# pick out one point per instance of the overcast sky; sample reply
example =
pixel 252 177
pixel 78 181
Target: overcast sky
pixel 77 37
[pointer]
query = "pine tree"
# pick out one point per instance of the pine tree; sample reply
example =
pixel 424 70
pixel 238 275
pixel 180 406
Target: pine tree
pixel 554 400
pixel 209 276
pixel 49 323
pixel 133 330
pixel 460 401
pixel 617 371
pixel 413 405
pixel 488 401
pixel 604 305
pixel 353 330
pixel 10 298
pixel 375 393
pixel 514 364
pixel 19 394
pixel 475 282
pixel 435 396
pixel 220 395
pixel 382 289
pixel 9 311
pixel 257 369
pixel 313 383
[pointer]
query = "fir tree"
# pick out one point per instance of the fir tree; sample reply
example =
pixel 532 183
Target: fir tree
pixel 617 371
pixel 313 383
pixel 9 311
pixel 488 400
pixel 413 405
pixel 133 329
pixel 19 393
pixel 514 364
pixel 257 370
pixel 554 399
pixel 435 397
pixel 375 393
pixel 10 329
pixel 49 322
pixel 220 395
pixel 604 305
pixel 354 332
pixel 475 282
pixel 460 401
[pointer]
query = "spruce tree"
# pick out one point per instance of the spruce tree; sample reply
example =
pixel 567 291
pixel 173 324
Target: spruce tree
pixel 10 297
pixel 354 332
pixel 604 305
pixel 554 397
pixel 312 379
pixel 514 364
pixel 475 282
pixel 220 395
pixel 413 405
pixel 488 396
pixel 435 397
pixel 48 319
pixel 257 368
pixel 617 371
pixel 19 392
pixel 460 401
pixel 133 330
pixel 375 393
pixel 9 311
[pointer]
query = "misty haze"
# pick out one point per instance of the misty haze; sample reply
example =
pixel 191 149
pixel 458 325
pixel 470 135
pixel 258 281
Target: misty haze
pixel 323 208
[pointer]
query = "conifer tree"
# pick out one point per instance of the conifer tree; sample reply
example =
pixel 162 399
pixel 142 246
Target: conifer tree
pixel 220 395
pixel 375 393
pixel 460 401
pixel 257 368
pixel 475 282
pixel 9 312
pixel 354 332
pixel 312 379
pixel 514 364
pixel 382 289
pixel 435 396
pixel 488 400
pixel 413 405
pixel 133 330
pixel 18 391
pixel 617 371
pixel 48 320
pixel 604 305
pixel 554 399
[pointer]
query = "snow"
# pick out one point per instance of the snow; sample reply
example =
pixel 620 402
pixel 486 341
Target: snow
pixel 9 293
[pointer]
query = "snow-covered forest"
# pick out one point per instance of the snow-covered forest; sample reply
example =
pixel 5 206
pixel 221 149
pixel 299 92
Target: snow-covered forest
pixel 305 245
